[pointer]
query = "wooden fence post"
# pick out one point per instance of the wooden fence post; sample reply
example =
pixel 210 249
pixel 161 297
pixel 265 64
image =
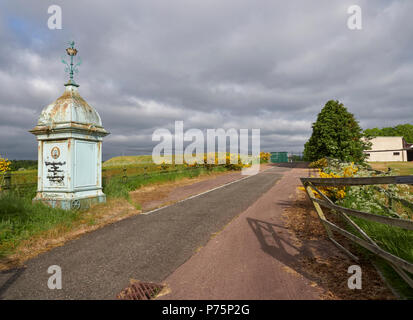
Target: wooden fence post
pixel 7 182
pixel 125 176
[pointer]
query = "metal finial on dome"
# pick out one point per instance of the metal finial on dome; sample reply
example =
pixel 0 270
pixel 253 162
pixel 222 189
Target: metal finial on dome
pixel 71 68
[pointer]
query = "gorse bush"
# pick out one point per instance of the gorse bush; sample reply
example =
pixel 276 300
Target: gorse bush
pixel 4 164
pixel 330 168
pixel 264 157
pixel 4 167
pixel 321 163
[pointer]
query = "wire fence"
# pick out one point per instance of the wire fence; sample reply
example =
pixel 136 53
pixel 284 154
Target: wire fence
pixel 25 183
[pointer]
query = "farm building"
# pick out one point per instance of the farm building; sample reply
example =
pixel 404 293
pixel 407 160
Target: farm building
pixel 390 149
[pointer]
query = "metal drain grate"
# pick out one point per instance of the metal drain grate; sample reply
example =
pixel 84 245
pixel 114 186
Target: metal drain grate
pixel 140 291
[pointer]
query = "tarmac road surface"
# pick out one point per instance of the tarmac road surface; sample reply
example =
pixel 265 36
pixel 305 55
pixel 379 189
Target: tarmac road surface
pixel 254 258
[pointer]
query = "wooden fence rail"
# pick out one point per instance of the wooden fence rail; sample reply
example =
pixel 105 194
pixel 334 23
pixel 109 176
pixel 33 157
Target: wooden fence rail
pixel 310 184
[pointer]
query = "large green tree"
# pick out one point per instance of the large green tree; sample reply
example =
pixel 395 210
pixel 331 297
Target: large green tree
pixel 336 134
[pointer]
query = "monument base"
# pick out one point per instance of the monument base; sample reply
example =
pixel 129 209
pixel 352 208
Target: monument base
pixel 70 203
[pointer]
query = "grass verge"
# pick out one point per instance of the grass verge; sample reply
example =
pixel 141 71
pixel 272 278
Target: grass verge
pixel 22 219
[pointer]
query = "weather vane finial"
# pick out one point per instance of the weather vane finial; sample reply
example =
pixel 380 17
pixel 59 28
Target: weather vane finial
pixel 71 68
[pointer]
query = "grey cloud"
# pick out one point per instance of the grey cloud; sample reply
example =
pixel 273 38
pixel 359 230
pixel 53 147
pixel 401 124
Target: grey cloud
pixel 244 64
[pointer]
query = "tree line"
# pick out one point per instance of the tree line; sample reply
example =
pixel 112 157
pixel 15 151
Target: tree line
pixel 402 130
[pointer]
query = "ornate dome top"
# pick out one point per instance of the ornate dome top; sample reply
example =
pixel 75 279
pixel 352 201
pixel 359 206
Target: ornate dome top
pixel 69 112
pixel 68 108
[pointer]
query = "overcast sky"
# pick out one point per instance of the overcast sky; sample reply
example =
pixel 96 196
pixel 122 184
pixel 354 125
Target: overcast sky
pixel 261 64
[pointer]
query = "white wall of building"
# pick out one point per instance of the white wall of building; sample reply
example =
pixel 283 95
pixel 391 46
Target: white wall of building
pixel 387 149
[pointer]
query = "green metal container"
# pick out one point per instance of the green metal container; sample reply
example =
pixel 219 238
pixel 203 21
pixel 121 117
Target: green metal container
pixel 277 157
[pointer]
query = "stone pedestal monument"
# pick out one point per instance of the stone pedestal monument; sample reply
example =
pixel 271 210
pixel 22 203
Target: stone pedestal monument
pixel 69 134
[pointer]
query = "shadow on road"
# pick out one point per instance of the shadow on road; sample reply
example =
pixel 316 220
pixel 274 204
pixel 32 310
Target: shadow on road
pixel 300 243
pixel 274 241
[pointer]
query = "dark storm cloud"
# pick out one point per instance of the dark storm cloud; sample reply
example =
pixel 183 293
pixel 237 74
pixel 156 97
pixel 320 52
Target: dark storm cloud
pixel 235 63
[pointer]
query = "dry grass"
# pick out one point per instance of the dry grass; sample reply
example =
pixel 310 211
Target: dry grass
pixel 95 218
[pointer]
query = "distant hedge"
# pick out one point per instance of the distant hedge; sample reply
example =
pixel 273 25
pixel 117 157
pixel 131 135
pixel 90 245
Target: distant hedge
pixel 26 164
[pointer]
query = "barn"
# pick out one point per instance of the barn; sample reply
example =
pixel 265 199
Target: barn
pixel 389 149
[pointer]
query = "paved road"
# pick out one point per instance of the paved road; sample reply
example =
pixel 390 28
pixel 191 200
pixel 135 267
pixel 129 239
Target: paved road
pixel 254 257
pixel 145 247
